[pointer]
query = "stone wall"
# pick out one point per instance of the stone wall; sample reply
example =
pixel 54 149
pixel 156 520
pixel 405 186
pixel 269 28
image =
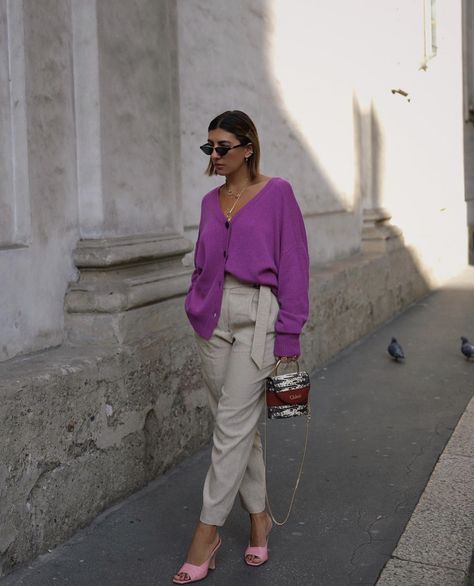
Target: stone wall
pixel 85 425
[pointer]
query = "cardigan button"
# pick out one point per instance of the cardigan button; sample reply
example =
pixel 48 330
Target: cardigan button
pixel 225 253
pixel 227 224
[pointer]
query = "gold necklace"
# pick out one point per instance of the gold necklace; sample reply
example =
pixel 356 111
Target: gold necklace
pixel 230 191
pixel 237 197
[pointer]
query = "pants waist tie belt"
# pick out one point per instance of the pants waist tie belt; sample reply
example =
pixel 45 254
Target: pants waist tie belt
pixel 261 324
pixel 263 315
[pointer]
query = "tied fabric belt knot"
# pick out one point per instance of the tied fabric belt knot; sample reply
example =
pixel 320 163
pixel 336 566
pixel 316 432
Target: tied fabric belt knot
pixel 263 312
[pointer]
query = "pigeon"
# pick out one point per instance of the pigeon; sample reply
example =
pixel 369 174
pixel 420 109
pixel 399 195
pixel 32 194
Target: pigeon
pixel 395 350
pixel 467 348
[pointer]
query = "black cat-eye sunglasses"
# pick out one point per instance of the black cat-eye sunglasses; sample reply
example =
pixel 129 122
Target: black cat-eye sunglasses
pixel 220 150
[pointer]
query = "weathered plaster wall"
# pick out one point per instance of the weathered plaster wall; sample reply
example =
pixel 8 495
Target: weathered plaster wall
pixel 99 167
pixel 84 426
pixel 34 276
pixel 139 120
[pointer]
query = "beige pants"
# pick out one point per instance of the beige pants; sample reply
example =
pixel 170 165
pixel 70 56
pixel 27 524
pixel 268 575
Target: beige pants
pixel 235 385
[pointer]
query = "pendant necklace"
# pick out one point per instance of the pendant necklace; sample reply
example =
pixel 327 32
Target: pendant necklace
pixel 230 191
pixel 237 197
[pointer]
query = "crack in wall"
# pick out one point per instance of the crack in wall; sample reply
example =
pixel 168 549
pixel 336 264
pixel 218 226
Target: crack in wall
pixel 46 468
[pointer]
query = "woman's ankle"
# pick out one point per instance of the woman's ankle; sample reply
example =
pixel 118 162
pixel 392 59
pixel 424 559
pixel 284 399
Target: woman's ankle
pixel 204 538
pixel 206 532
pixel 259 517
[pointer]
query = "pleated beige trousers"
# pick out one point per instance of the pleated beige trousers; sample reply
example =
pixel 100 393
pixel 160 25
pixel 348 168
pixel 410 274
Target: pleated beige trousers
pixel 235 362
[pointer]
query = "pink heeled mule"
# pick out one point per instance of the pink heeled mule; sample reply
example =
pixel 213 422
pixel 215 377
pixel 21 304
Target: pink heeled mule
pixel 196 573
pixel 258 553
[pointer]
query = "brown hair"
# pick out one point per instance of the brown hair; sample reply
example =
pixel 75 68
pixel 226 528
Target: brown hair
pixel 241 125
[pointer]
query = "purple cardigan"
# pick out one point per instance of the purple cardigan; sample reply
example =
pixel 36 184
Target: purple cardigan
pixel 264 243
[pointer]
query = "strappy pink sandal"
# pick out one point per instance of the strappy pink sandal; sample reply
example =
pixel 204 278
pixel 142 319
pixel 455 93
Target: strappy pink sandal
pixel 259 553
pixel 196 573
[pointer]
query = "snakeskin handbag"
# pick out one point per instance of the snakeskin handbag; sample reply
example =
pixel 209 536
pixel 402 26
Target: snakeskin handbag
pixel 287 394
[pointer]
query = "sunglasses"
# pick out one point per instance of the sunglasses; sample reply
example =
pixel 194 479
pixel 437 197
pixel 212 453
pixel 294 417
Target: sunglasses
pixel 207 149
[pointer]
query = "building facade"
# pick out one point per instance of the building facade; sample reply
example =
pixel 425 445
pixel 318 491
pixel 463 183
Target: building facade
pixel 365 109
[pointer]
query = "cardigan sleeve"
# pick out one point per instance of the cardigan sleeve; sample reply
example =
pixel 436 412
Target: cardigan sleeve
pixel 196 271
pixel 293 278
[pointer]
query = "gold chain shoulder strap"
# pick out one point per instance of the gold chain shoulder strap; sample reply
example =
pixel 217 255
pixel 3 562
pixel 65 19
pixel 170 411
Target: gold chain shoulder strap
pixel 308 419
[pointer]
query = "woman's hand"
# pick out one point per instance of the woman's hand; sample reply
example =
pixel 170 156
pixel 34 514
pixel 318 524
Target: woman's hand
pixel 286 358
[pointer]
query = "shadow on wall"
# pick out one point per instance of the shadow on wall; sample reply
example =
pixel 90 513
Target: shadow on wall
pixel 334 176
pixel 243 77
pixel 314 130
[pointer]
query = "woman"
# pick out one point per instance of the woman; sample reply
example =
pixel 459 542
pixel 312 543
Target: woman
pixel 247 302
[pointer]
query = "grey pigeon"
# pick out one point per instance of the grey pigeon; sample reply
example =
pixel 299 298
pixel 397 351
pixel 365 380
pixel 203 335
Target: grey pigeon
pixel 467 348
pixel 395 350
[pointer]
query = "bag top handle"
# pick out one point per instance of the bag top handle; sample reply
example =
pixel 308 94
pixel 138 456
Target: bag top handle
pixel 275 369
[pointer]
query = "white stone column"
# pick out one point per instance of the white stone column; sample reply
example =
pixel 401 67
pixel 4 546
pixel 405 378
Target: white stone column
pixel 127 136
pixel 15 220
pixel 87 113
pixel 127 117
pixel 378 234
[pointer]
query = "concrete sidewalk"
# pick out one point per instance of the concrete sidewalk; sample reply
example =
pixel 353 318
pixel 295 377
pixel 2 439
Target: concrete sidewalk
pixel 436 546
pixel 377 432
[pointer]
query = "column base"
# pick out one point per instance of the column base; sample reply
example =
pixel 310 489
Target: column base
pixel 120 282
pixel 378 235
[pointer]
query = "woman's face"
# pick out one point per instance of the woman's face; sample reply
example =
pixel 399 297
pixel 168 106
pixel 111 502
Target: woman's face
pixel 233 159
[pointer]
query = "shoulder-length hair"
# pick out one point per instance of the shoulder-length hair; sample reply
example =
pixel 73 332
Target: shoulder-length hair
pixel 241 125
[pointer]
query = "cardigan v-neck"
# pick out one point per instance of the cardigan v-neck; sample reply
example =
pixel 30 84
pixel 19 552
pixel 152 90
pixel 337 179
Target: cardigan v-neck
pixel 259 192
pixel 265 243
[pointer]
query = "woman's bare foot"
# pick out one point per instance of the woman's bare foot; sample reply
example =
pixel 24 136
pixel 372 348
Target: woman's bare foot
pixel 204 541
